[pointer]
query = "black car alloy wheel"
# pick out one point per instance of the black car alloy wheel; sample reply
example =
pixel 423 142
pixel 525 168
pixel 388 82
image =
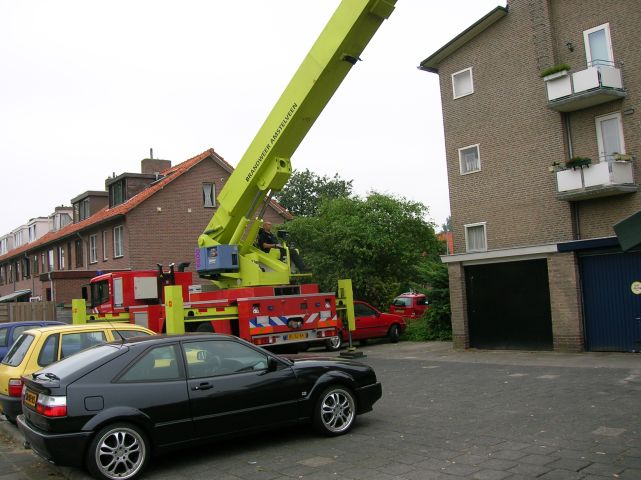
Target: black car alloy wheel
pixel 118 451
pixel 335 411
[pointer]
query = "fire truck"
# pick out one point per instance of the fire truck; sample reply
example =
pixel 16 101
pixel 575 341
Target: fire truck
pixel 256 296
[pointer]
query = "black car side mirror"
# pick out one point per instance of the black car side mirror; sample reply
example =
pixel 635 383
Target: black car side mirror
pixel 272 364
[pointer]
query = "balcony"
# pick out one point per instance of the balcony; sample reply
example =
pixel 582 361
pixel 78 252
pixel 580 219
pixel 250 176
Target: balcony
pixel 595 85
pixel 602 179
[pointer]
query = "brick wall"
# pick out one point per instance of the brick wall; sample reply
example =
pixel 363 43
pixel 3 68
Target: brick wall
pixel 565 305
pixel 458 302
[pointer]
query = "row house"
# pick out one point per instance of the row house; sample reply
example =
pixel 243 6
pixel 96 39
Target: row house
pixel 543 144
pixel 139 221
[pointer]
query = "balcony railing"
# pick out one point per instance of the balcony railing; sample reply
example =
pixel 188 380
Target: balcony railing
pixel 599 83
pixel 602 179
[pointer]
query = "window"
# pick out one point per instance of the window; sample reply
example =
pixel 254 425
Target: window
pixel 32 233
pixel 609 135
pixel 221 357
pixel 79 253
pixel 462 83
pixel 116 193
pixel 598 47
pixel 49 351
pixel 93 249
pixel 50 260
pixel 84 210
pixel 209 195
pixel 4 334
pixel 34 266
pixel 104 245
pixel 122 334
pixel 118 242
pixel 26 268
pixel 43 255
pixel 475 237
pixel 61 258
pixel 157 365
pixel 18 350
pixel 469 159
pixel 75 342
pixel 361 310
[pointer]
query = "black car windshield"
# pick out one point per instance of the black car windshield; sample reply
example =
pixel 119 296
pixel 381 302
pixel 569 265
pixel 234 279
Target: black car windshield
pixel 18 350
pixel 81 359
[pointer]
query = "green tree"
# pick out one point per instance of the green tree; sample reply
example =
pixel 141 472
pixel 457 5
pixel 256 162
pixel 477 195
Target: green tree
pixel 305 191
pixel 378 242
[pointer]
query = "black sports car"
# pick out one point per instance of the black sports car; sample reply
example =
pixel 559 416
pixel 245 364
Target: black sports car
pixel 111 407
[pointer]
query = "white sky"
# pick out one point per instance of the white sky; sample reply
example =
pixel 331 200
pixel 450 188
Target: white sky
pixel 87 87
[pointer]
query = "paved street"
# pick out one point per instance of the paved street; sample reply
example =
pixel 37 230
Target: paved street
pixel 484 415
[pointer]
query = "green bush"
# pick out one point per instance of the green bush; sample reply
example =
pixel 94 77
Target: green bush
pixel 436 323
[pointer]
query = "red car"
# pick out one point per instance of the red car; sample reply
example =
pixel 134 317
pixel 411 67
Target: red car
pixel 370 323
pixel 409 305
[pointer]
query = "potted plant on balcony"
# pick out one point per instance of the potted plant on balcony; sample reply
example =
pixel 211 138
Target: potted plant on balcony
pixel 622 157
pixel 578 162
pixel 555 71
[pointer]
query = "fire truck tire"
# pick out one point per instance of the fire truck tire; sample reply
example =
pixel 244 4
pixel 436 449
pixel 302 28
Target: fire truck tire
pixel 394 333
pixel 334 344
pixel 205 327
pixel 335 411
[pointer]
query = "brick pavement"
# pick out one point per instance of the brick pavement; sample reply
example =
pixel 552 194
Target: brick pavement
pixel 444 415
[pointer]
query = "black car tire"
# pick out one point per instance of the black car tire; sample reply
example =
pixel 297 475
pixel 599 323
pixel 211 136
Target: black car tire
pixel 118 451
pixel 334 344
pixel 394 333
pixel 335 411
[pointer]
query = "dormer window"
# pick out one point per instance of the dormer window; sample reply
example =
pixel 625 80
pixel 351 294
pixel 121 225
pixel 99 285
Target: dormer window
pixel 116 193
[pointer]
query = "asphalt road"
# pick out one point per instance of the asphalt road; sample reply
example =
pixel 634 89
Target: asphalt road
pixel 480 415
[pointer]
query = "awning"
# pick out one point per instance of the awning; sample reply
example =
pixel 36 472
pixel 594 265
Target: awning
pixel 628 232
pixel 15 295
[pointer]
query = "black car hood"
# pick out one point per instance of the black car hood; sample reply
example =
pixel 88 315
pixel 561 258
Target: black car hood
pixel 310 359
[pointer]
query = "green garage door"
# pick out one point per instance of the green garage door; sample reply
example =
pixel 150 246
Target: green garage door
pixel 508 305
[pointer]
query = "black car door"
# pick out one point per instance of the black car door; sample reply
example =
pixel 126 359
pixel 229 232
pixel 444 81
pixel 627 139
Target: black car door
pixel 231 388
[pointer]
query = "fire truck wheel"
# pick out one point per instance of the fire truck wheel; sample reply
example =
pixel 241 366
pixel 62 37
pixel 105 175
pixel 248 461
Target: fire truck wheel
pixel 335 411
pixel 205 327
pixel 334 344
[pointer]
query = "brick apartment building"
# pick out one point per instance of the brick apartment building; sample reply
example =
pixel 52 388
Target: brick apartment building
pixel 537 263
pixel 140 220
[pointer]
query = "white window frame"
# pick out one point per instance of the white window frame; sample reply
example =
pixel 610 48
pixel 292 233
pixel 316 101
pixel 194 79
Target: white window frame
pixel 608 39
pixel 93 249
pixel 61 258
pixel 50 265
pixel 460 158
pixel 460 72
pixel 104 246
pixel 119 241
pixel 599 136
pixel 467 241
pixel 211 201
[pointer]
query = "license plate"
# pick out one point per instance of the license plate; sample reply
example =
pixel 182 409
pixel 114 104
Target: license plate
pixel 296 336
pixel 30 398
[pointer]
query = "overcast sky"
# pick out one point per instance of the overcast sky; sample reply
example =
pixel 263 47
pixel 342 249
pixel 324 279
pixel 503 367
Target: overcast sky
pixel 88 87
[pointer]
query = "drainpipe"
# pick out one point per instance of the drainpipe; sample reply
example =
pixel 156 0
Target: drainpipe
pixel 574 206
pixel 53 293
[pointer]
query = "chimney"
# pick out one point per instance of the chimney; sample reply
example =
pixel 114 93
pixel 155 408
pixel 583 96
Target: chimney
pixel 153 165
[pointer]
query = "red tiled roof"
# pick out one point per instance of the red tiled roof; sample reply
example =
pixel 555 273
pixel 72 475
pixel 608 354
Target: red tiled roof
pixel 107 213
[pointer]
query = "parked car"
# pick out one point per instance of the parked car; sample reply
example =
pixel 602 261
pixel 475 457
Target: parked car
pixel 410 305
pixel 370 323
pixel 39 347
pixel 11 330
pixel 112 407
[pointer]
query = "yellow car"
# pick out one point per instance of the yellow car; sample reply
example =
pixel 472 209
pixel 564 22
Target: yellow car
pixel 38 347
